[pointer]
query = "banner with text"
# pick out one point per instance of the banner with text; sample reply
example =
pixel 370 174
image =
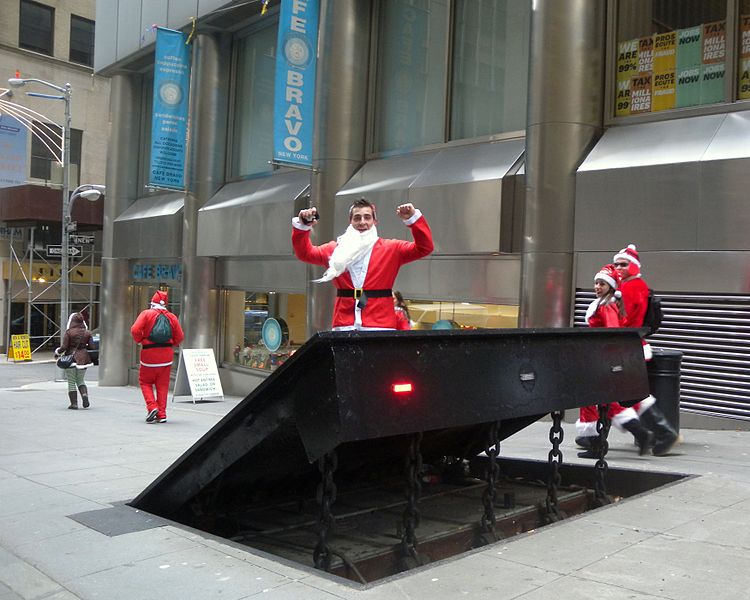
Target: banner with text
pixel 744 71
pixel 170 109
pixel 13 152
pixel 294 95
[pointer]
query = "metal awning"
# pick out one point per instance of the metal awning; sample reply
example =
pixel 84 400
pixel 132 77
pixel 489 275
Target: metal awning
pixel 463 189
pixel 246 217
pixel 683 182
pixel 151 227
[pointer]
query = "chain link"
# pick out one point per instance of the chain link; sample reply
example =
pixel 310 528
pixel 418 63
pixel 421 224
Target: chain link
pixel 326 496
pixel 554 458
pixel 411 516
pixel 491 475
pixel 600 468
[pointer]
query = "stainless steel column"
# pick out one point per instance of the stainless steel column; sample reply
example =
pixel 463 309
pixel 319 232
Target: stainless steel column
pixel 340 126
pixel 565 110
pixel 122 190
pixel 206 156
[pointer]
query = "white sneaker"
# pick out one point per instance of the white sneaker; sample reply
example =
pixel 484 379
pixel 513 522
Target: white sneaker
pixel 152 416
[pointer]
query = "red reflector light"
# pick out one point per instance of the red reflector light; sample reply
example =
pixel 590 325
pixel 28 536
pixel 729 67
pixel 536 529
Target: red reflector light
pixel 402 388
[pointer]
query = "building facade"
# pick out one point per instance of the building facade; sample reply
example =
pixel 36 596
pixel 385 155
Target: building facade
pixel 537 137
pixel 54 42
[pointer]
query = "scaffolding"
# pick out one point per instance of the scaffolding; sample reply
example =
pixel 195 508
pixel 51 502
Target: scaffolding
pixel 41 285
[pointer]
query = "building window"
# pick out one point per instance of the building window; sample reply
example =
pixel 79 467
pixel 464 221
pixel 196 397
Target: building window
pixel 81 41
pixel 246 316
pixel 411 73
pixel 252 141
pixel 36 27
pixel 490 67
pixel 420 101
pixel 669 55
pixel 44 139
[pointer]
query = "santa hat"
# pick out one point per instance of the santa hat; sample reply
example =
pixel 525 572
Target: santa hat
pixel 630 254
pixel 159 298
pixel 609 274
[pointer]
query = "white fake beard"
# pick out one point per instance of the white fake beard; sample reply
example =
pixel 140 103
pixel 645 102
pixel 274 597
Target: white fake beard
pixel 351 247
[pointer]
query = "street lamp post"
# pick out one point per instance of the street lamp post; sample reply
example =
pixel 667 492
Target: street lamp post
pixel 90 192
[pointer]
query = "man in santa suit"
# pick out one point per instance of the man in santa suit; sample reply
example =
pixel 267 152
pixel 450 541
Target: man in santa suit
pixel 635 297
pixel 362 266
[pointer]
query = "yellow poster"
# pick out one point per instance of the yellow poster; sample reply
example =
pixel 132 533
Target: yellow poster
pixel 743 74
pixel 627 67
pixel 665 55
pixel 21 347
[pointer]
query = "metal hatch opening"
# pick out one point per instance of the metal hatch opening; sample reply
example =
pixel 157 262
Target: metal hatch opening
pixel 369 454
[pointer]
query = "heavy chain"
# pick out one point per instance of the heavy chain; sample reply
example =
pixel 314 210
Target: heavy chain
pixel 554 458
pixel 600 468
pixel 410 518
pixel 326 496
pixel 491 474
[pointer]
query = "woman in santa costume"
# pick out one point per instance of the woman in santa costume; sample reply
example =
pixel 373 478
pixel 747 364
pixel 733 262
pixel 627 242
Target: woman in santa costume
pixel 608 310
pixel 635 296
pixel 361 265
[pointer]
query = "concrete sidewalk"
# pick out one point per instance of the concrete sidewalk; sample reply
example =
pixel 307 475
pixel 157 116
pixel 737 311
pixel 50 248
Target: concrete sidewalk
pixel 686 541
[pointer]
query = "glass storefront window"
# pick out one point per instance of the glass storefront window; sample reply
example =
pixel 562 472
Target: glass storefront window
pixel 252 141
pixel 411 79
pixel 246 319
pixel 490 67
pixel 669 54
pixel 743 37
pixel 461 315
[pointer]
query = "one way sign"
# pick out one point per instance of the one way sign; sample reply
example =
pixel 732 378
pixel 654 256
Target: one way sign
pixel 56 250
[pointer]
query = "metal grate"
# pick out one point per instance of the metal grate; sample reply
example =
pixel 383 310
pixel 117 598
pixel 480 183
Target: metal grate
pixel 713 333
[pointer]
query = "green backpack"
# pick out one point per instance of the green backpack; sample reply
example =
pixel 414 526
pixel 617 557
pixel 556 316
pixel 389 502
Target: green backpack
pixel 161 332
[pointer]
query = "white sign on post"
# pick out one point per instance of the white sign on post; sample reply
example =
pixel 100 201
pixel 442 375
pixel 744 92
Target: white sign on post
pixel 198 366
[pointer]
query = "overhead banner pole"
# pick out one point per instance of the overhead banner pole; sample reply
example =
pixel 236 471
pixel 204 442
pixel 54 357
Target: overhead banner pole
pixel 170 109
pixel 294 96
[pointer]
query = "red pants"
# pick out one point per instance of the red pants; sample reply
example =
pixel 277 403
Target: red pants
pixel 158 377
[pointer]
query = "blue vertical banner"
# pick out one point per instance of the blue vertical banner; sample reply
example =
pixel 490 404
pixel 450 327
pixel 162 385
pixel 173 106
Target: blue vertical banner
pixel 170 112
pixel 13 151
pixel 294 95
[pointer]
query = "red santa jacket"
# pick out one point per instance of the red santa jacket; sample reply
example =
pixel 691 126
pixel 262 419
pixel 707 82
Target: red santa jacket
pixel 386 259
pixel 160 355
pixel 635 296
pixel 604 315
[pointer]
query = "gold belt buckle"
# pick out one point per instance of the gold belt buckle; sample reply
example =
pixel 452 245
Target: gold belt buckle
pixel 358 293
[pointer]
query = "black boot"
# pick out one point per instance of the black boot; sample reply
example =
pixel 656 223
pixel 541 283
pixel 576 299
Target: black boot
pixel 644 438
pixel 666 436
pixel 594 447
pixel 584 441
pixel 84 395
pixel 73 400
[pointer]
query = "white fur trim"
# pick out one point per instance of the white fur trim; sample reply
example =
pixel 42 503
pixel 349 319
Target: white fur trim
pixel 586 429
pixel 604 277
pixel 621 418
pixel 645 404
pixel 414 218
pixel 627 257
pixel 297 224
pixel 648 353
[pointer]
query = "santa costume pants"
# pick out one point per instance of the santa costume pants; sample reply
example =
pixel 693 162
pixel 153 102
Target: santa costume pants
pixel 155 377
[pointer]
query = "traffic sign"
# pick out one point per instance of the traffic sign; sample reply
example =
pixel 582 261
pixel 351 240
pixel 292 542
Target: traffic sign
pixel 56 250
pixel 81 238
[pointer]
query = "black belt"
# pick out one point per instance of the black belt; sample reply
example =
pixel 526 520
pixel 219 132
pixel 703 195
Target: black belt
pixel 163 345
pixel 363 295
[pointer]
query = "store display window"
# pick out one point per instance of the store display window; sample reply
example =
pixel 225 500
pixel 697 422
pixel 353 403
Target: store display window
pixel 434 314
pixel 669 55
pixel 262 329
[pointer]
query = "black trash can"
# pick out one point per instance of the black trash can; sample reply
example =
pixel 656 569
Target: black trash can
pixel 664 383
